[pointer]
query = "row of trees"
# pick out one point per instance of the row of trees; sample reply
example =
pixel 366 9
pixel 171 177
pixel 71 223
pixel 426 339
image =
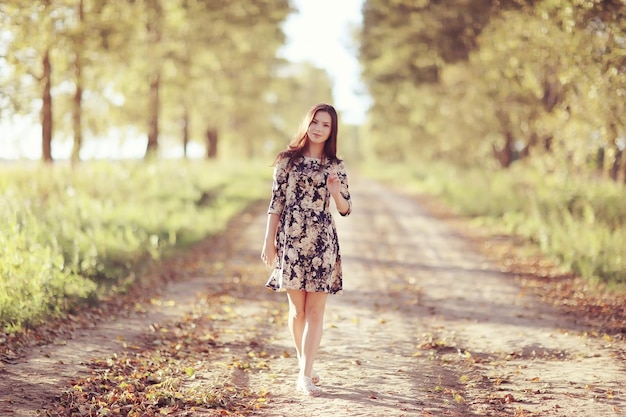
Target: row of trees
pixel 179 69
pixel 499 80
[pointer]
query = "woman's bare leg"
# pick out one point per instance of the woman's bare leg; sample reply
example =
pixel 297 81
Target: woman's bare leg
pixel 314 307
pixel 296 322
pixel 306 321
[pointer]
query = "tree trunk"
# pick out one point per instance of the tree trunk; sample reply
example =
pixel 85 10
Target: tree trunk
pixel 600 158
pixel 211 137
pixel 547 143
pixel 185 131
pixel 613 156
pixel 153 128
pixel 77 114
pixel 617 162
pixel 505 155
pixel 46 110
pixel 78 94
pixel 623 170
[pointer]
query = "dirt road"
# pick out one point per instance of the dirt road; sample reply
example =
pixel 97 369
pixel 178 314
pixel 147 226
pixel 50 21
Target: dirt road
pixel 426 326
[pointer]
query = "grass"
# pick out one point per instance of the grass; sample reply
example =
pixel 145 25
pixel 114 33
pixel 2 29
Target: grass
pixel 579 222
pixel 71 237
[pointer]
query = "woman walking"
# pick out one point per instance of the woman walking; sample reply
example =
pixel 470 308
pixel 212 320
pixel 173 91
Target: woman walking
pixel 301 239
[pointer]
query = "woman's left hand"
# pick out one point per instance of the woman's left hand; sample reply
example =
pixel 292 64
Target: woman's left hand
pixel 334 187
pixel 333 183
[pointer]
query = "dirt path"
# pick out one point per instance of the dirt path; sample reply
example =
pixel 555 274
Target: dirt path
pixel 426 326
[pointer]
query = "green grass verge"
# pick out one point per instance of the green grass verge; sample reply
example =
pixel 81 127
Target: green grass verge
pixel 579 222
pixel 70 237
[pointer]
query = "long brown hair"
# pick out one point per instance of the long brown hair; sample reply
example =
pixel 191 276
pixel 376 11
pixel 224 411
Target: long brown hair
pixel 299 141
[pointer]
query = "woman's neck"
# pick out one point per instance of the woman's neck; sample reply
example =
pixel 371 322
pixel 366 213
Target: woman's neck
pixel 315 151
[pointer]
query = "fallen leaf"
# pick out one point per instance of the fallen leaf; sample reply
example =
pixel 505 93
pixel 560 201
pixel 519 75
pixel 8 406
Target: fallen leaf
pixel 508 399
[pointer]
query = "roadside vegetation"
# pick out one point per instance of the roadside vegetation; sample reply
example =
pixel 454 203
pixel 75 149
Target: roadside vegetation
pixel 511 114
pixel 72 237
pixel 579 223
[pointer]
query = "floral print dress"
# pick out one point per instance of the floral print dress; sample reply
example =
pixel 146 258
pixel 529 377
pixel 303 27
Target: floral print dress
pixel 308 257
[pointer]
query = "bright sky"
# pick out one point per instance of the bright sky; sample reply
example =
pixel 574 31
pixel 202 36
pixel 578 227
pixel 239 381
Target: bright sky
pixel 330 22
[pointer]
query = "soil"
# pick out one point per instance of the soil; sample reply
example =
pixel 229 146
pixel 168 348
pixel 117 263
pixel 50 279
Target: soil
pixel 428 324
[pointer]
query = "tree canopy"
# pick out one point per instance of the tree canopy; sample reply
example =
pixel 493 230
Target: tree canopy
pixel 487 80
pixel 174 71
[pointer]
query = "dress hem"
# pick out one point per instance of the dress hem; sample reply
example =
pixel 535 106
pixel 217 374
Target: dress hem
pixel 283 289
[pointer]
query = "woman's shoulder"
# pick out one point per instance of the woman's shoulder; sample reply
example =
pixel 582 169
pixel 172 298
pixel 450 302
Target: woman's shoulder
pixel 286 161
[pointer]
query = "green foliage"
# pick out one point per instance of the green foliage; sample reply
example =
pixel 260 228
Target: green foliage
pixel 204 65
pixel 71 236
pixel 581 223
pixel 470 82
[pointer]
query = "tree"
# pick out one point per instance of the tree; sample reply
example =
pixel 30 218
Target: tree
pixel 215 60
pixel 151 65
pixel 404 46
pixel 79 45
pixel 32 26
pixel 508 79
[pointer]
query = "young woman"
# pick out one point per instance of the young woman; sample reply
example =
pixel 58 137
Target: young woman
pixel 300 238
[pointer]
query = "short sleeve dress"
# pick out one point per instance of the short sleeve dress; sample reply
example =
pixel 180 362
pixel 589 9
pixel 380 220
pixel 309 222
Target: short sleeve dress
pixel 308 257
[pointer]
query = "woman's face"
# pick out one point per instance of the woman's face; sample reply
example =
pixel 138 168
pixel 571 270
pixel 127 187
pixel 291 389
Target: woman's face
pixel 320 127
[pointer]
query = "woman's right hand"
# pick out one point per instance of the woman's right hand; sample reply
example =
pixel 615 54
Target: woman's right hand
pixel 268 254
